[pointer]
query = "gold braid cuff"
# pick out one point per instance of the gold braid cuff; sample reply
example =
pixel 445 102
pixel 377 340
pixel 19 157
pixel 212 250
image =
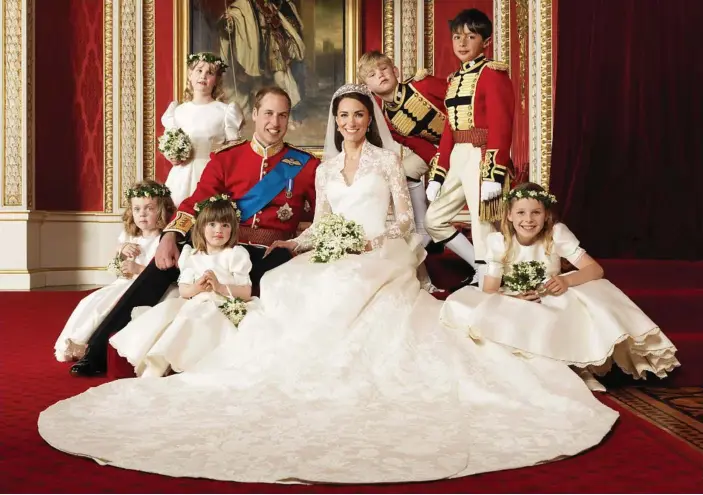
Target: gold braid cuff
pixel 181 224
pixel 492 171
pixel 437 173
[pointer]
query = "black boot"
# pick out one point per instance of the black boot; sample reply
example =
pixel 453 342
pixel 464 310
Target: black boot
pixel 90 364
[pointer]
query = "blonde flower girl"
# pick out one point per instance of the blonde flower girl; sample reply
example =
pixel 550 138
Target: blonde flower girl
pixel 150 209
pixel 583 319
pixel 177 333
pixel 208 122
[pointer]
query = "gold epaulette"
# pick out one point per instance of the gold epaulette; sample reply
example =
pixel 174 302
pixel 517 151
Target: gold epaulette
pixel 421 74
pixel 495 65
pixel 230 144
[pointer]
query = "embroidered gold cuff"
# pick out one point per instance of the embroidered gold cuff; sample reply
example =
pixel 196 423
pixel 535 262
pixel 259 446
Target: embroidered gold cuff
pixel 492 171
pixel 181 224
pixel 437 172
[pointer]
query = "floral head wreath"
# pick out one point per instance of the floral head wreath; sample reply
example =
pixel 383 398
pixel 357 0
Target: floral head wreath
pixel 209 58
pixel 352 88
pixel 542 196
pixel 216 199
pixel 148 191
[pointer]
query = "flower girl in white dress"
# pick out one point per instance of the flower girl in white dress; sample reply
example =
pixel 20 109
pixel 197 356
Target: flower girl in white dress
pixel 584 320
pixel 150 210
pixel 209 123
pixel 177 333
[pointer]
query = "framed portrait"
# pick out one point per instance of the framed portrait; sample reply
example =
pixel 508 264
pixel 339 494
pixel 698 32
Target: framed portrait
pixel 307 47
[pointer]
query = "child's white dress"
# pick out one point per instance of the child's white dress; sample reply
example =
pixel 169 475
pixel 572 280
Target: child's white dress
pixel 178 332
pixel 208 126
pixel 590 325
pixel 92 309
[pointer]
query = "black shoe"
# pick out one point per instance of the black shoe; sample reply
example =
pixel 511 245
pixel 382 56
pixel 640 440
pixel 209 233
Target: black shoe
pixel 435 248
pixel 470 281
pixel 88 367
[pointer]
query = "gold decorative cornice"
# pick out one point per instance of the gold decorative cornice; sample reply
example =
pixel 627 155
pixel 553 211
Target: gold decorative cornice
pixel 148 88
pixel 388 28
pixel 107 106
pixel 429 36
pixel 128 97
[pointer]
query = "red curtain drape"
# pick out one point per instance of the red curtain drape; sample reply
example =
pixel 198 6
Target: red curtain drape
pixel 627 162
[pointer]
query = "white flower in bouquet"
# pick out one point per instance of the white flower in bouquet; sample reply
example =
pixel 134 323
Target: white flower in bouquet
pixel 175 145
pixel 115 266
pixel 235 309
pixel 525 276
pixel 334 237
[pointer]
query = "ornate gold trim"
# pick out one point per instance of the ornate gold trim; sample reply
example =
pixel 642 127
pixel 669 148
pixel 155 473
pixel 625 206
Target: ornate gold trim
pixel 545 36
pixel 128 97
pixel 501 47
pixel 30 104
pixel 181 46
pixel 148 89
pixel 522 14
pixel 13 72
pixel 107 107
pixel 388 28
pixel 429 36
pixel 352 40
pixel 408 38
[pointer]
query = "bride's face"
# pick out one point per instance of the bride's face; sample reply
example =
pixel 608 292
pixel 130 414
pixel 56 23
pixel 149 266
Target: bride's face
pixel 353 119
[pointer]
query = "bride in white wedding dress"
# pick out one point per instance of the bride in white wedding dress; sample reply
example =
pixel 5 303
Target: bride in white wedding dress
pixel 344 373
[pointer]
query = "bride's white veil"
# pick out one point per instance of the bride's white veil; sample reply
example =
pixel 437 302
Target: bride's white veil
pixel 330 150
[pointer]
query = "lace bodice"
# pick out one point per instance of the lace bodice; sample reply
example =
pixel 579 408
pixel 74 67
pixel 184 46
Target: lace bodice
pixel 565 245
pixel 378 183
pixel 208 126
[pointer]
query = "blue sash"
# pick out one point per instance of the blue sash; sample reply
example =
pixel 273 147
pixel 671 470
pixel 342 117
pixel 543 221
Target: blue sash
pixel 280 177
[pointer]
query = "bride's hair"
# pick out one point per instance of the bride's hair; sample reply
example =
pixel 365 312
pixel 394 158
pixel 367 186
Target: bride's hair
pixel 373 135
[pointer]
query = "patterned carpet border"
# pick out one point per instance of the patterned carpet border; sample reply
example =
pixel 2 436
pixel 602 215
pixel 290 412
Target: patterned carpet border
pixel 661 414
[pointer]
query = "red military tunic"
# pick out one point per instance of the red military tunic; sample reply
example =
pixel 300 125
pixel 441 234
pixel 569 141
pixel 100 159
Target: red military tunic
pixel 234 169
pixel 480 103
pixel 417 115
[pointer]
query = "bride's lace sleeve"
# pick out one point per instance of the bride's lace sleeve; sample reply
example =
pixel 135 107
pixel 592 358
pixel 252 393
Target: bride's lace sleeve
pixel 322 208
pixel 403 223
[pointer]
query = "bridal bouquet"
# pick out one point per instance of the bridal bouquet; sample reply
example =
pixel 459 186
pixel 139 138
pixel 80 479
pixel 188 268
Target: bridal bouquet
pixel 525 276
pixel 334 237
pixel 115 266
pixel 175 145
pixel 235 309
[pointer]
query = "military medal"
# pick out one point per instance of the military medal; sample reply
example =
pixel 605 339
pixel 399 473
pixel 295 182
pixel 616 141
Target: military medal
pixel 289 190
pixel 285 213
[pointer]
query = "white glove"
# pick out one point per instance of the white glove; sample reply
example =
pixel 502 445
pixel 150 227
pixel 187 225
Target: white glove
pixel 490 190
pixel 433 190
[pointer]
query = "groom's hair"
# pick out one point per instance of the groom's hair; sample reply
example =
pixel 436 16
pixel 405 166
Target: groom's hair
pixel 373 135
pixel 270 90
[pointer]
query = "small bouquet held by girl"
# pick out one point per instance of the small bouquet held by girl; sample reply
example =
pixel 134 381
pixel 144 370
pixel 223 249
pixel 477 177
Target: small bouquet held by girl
pixel 524 277
pixel 334 237
pixel 175 145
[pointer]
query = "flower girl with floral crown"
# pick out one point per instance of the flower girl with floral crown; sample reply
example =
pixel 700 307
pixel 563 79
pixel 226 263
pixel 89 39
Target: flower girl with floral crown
pixel 199 125
pixel 584 320
pixel 150 209
pixel 214 286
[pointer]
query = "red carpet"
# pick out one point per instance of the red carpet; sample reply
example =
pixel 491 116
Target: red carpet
pixel 636 458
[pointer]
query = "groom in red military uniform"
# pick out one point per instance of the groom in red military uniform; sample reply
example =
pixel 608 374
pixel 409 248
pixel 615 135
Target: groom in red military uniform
pixel 272 183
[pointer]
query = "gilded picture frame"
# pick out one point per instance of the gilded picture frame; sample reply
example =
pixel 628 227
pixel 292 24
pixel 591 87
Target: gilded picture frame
pixel 308 132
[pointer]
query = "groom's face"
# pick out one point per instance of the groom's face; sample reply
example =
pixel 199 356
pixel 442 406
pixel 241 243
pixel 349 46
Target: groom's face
pixel 271 119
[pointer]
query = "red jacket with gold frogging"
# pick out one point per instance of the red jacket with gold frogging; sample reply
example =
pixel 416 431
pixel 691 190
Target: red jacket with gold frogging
pixel 234 169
